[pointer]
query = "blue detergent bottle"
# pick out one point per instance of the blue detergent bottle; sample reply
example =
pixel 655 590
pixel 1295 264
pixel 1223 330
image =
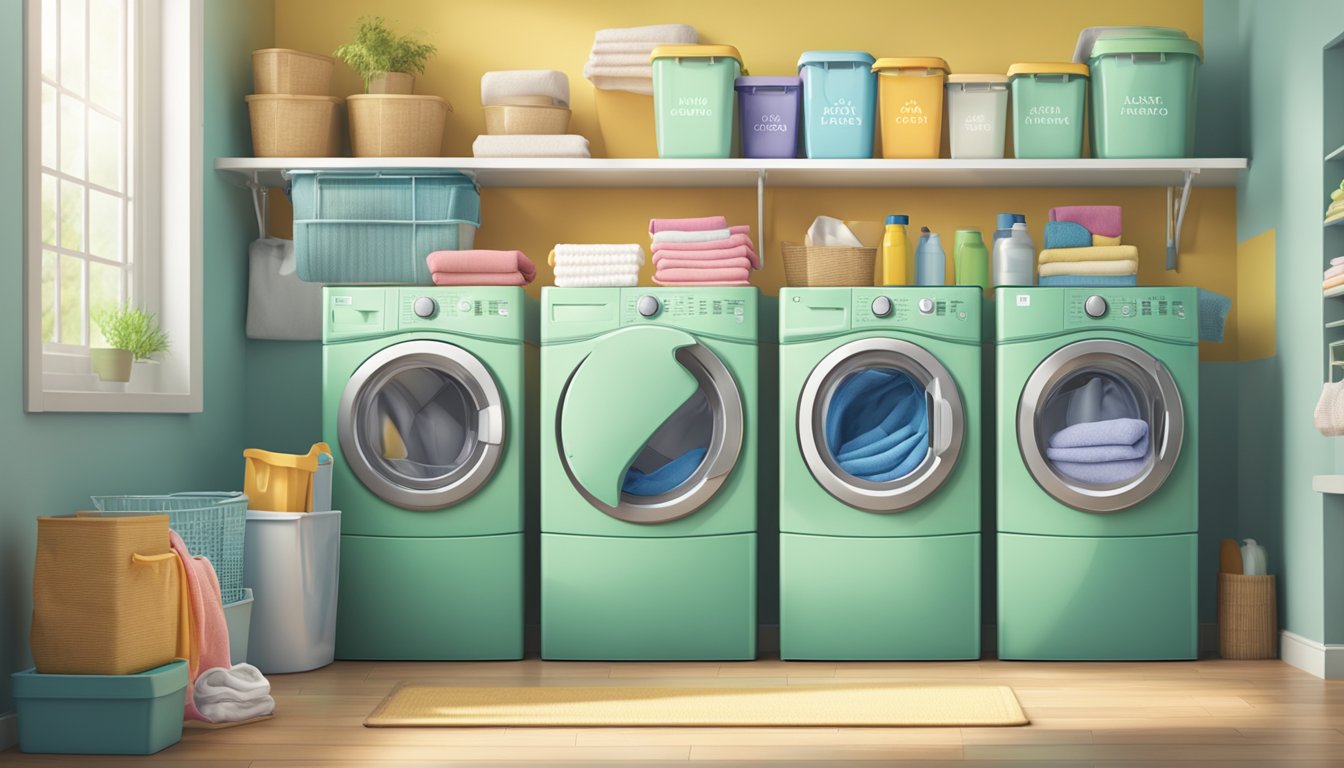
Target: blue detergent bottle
pixel 930 260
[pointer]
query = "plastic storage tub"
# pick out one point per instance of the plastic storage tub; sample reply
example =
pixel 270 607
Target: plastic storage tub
pixel 1049 99
pixel 238 619
pixel 693 99
pixel 911 94
pixel 293 570
pixel 378 227
pixel 839 103
pixel 101 714
pixel 977 115
pixel 1144 87
pixel 286 482
pixel 769 109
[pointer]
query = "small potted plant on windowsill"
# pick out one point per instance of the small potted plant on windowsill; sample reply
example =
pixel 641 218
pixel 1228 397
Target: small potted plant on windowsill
pixel 388 121
pixel 131 334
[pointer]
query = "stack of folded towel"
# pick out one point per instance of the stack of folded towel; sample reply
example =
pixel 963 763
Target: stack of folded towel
pixel 1336 210
pixel 592 265
pixel 1100 452
pixel 702 251
pixel 528 88
pixel 1334 276
pixel 620 57
pixel 481 268
pixel 1083 248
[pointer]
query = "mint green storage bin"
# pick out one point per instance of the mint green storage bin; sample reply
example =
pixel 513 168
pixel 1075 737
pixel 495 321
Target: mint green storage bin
pixel 1144 88
pixel 694 101
pixel 101 714
pixel 1049 101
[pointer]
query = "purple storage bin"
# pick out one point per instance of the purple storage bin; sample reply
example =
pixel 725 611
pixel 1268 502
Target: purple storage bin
pixel 769 108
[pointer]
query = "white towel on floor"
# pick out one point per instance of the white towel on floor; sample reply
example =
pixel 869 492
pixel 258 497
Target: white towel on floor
pixel 498 86
pixel 523 145
pixel 602 281
pixel 662 34
pixel 232 695
pixel 638 85
pixel 703 236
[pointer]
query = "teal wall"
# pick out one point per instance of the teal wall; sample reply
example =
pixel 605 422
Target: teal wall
pixel 52 463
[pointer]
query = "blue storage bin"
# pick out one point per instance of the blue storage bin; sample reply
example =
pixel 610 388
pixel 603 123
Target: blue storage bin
pixel 101 714
pixel 839 103
pixel 378 226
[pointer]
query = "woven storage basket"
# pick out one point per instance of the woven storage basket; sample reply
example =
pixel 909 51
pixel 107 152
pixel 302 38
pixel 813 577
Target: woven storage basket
pixel 815 265
pixel 290 72
pixel 506 119
pixel 397 126
pixel 295 126
pixel 1248 617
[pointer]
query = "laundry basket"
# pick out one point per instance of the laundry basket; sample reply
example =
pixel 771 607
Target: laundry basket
pixel 212 525
pixel 288 482
pixel 833 266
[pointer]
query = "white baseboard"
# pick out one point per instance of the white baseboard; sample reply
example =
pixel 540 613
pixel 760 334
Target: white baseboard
pixel 1323 661
pixel 9 731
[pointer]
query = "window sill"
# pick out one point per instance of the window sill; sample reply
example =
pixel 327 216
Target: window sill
pixel 117 402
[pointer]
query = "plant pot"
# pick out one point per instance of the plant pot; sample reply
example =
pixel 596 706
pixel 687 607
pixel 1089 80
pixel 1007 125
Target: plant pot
pixel 398 83
pixel 397 126
pixel 111 364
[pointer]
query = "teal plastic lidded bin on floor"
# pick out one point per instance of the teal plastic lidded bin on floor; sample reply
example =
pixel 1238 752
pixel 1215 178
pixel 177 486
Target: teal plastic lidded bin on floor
pixel 1049 100
pixel 694 101
pixel 101 714
pixel 1144 86
pixel 839 103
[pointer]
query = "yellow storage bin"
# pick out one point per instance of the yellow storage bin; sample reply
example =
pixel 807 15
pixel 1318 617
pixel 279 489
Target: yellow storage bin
pixel 287 482
pixel 910 98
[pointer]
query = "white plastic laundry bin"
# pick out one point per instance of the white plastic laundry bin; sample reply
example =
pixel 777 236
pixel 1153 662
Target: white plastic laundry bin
pixel 293 564
pixel 238 619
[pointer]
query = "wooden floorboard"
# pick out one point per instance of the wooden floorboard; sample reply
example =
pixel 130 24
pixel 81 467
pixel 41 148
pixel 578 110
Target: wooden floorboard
pixel 1206 713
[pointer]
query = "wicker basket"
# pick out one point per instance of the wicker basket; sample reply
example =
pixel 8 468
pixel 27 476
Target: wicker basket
pixel 295 126
pixel 506 119
pixel 1248 617
pixel 815 265
pixel 397 126
pixel 290 72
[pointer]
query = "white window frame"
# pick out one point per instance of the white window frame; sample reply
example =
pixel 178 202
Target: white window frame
pixel 166 277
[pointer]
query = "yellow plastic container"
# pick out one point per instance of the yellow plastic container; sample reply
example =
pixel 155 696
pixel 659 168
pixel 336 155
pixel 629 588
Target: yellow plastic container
pixel 910 99
pixel 281 482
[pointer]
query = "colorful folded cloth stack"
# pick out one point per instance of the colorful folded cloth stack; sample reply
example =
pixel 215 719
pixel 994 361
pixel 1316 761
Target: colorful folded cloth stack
pixel 481 268
pixel 1083 248
pixel 594 265
pixel 620 57
pixel 703 251
pixel 1335 211
pixel 1334 275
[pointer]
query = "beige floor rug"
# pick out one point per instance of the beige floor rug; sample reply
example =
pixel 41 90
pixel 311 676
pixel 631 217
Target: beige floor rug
pixel 828 705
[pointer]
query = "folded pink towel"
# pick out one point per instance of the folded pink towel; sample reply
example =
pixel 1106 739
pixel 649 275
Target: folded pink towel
pixel 209 632
pixel 479 278
pixel 1335 262
pixel 700 283
pixel 688 225
pixel 729 242
pixel 716 274
pixel 711 254
pixel 479 261
pixel 671 262
pixel 1334 271
pixel 1104 220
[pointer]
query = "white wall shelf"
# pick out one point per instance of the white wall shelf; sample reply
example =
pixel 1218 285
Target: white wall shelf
pixel 1332 484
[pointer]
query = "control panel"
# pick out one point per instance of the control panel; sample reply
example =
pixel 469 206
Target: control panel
pixel 1139 308
pixel 427 308
pixel 672 306
pixel 906 307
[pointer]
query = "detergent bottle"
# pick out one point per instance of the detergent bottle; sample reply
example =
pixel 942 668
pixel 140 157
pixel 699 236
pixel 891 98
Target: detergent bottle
pixel 1003 228
pixel 1014 258
pixel 971 259
pixel 1021 218
pixel 895 252
pixel 930 260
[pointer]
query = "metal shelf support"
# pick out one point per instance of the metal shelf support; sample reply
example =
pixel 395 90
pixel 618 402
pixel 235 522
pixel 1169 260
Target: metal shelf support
pixel 1178 198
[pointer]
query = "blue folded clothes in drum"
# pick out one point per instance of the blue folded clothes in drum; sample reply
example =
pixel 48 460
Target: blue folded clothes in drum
pixel 664 478
pixel 1104 473
pixel 877 425
pixel 1104 452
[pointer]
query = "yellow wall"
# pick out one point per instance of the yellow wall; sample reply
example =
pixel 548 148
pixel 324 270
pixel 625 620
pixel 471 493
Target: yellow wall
pixel 973 35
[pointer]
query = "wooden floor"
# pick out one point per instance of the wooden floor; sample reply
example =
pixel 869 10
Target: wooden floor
pixel 1206 713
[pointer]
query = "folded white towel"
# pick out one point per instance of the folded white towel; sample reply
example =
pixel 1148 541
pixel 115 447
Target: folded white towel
pixel 703 236
pixel 639 85
pixel 659 33
pixel 619 59
pixel 232 695
pixel 602 281
pixel 591 70
pixel 593 269
pixel 599 249
pixel 524 145
pixel 496 87
pixel 624 48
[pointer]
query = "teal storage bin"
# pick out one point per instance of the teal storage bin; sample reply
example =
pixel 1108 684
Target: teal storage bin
pixel 1049 102
pixel 101 714
pixel 839 103
pixel 1145 82
pixel 694 102
pixel 378 226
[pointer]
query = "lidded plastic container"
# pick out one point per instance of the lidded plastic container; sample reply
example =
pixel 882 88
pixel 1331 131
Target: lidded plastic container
pixel 839 103
pixel 1049 100
pixel 769 108
pixel 1145 82
pixel 910 90
pixel 101 714
pixel 693 99
pixel 977 111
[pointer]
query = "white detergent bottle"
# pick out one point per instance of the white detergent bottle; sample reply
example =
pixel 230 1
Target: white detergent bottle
pixel 1015 259
pixel 1253 559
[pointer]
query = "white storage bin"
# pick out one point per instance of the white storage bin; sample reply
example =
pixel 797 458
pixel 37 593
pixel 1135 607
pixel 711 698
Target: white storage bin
pixel 293 566
pixel 977 115
pixel 238 619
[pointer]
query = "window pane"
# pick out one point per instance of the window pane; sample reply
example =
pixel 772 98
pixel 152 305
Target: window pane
pixel 106 53
pixel 72 300
pixel 72 216
pixel 104 151
pixel 72 137
pixel 48 296
pixel 104 294
pixel 72 45
pixel 48 126
pixel 104 225
pixel 48 209
pixel 49 31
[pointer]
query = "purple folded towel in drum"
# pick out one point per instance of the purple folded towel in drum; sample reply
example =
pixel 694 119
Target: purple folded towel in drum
pixel 1090 434
pixel 1097 454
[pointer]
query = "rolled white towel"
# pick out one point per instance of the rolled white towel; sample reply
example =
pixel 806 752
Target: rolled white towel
pixel 232 695
pixel 594 270
pixel 497 87
pixel 658 33
pixel 523 145
pixel 236 711
pixel 598 281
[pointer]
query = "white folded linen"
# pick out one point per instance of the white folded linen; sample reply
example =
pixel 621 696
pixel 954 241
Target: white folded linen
pixel 526 145
pixel 623 48
pixel 566 269
pixel 497 87
pixel 597 254
pixel 644 70
pixel 598 281
pixel 639 85
pixel 702 236
pixel 619 59
pixel 669 34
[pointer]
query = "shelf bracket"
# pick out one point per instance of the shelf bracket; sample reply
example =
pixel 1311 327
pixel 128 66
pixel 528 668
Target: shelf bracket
pixel 1178 198
pixel 260 198
pixel 760 214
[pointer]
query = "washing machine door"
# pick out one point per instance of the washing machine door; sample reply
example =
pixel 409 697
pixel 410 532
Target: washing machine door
pixel 649 425
pixel 881 424
pixel 1100 425
pixel 421 423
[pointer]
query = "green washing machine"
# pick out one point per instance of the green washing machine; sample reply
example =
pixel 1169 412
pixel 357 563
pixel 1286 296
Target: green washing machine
pixel 648 473
pixel 879 473
pixel 1098 459
pixel 423 406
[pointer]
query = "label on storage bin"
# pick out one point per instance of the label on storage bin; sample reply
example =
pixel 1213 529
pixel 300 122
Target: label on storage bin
pixel 770 123
pixel 1144 106
pixel 978 122
pixel 692 106
pixel 841 112
pixel 1048 114
pixel 911 113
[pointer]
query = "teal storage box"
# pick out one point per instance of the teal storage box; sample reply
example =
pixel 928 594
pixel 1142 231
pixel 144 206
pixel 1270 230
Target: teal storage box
pixel 839 103
pixel 378 226
pixel 1145 82
pixel 101 714
pixel 1049 101
pixel 694 101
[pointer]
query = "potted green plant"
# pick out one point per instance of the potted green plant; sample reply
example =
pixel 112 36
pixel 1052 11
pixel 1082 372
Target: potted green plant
pixel 388 62
pixel 130 334
pixel 389 121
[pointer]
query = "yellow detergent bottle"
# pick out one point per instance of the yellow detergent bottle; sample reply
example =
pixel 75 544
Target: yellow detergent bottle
pixel 895 254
